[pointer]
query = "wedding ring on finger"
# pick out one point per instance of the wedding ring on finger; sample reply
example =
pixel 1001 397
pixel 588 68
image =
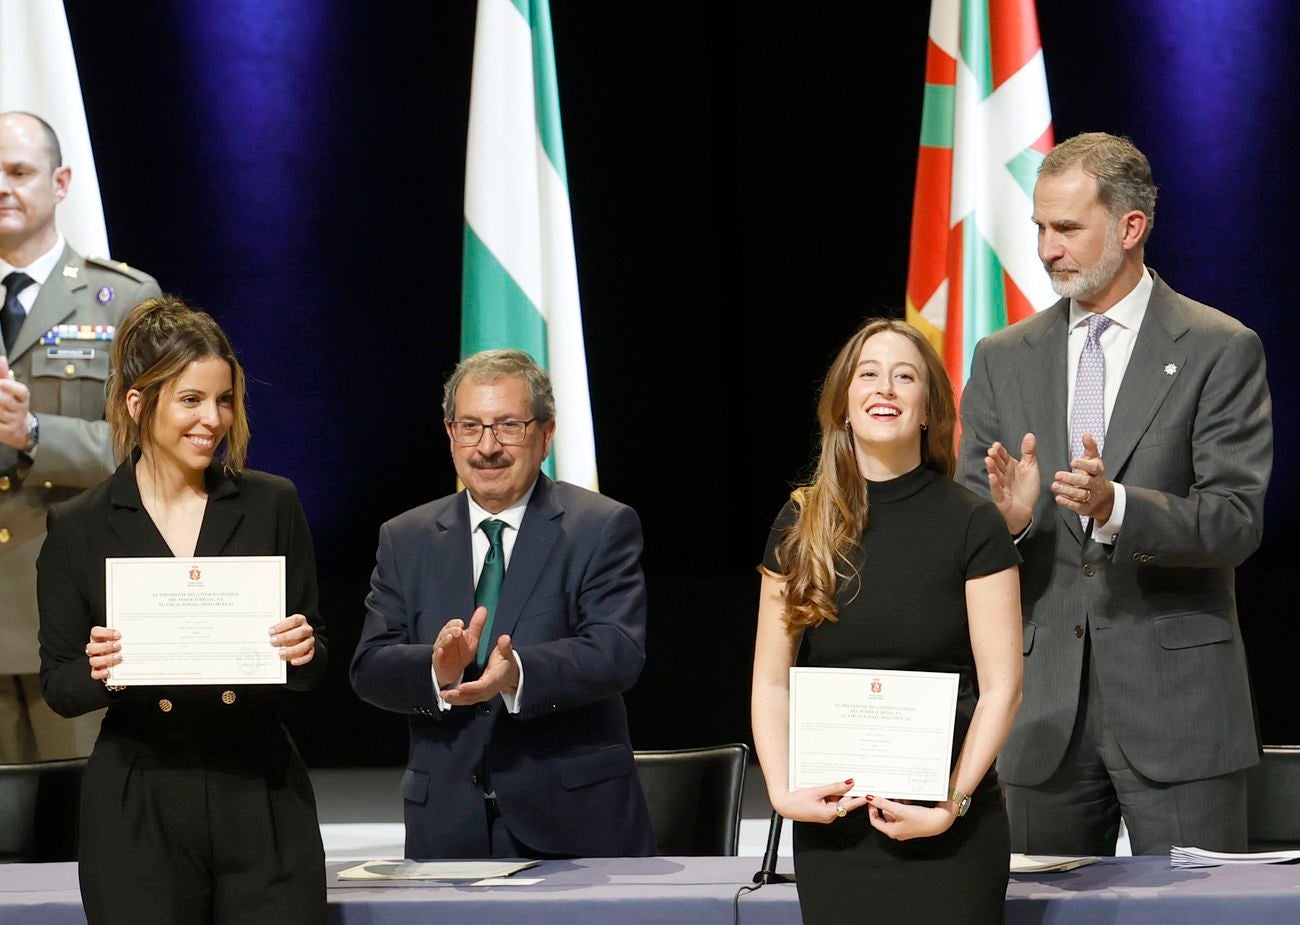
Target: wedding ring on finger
pixel 840 811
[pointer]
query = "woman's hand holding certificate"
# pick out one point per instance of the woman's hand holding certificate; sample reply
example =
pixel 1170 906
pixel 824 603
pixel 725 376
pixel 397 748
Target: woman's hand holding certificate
pixel 102 651
pixel 901 819
pixel 295 639
pixel 818 804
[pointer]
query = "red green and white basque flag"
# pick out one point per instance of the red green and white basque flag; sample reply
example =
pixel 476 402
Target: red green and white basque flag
pixel 985 128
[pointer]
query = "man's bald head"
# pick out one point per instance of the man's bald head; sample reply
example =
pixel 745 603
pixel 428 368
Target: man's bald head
pixel 37 124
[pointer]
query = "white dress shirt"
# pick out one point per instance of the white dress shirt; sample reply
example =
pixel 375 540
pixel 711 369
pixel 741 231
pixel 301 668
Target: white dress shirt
pixel 512 517
pixel 1117 342
pixel 38 271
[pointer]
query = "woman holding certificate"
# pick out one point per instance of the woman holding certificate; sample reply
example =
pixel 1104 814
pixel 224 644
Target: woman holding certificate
pixel 882 562
pixel 195 805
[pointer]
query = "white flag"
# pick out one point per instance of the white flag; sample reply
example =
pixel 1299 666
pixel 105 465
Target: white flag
pixel 38 74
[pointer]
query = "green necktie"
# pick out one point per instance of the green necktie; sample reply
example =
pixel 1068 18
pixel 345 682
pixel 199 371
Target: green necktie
pixel 488 591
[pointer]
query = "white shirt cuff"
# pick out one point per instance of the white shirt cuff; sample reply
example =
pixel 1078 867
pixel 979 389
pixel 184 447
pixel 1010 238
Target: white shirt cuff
pixel 513 700
pixel 1023 533
pixel 443 706
pixel 1106 533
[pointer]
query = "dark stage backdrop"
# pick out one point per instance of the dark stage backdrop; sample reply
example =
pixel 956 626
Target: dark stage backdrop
pixel 741 182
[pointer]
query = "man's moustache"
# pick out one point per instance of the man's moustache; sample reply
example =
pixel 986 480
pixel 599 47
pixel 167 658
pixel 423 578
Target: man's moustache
pixel 498 461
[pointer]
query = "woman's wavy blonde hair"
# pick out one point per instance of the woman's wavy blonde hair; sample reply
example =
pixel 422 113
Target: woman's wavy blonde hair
pixel 154 343
pixel 815 553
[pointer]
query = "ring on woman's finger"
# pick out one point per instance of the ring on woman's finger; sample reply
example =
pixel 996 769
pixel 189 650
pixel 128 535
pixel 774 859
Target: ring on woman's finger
pixel 840 811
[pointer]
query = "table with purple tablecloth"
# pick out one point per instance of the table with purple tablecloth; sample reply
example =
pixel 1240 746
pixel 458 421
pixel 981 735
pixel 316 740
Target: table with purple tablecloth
pixel 633 891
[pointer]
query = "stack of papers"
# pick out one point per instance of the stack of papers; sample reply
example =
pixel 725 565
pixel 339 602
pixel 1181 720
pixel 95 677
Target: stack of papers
pixel 1048 863
pixel 1197 857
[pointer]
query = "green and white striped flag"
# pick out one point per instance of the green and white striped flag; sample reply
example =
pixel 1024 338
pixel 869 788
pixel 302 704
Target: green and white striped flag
pixel 520 277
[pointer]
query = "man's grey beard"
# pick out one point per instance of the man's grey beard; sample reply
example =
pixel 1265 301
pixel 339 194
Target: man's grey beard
pixel 1088 281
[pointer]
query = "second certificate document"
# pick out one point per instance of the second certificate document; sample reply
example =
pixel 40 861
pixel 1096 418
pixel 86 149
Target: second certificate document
pixel 891 731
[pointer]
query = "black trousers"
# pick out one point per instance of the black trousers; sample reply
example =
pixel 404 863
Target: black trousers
pixel 209 823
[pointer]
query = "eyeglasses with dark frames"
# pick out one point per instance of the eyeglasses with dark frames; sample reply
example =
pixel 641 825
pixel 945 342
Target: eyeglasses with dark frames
pixel 507 433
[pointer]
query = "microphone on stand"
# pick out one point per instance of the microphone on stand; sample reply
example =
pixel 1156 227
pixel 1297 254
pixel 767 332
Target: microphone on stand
pixel 767 873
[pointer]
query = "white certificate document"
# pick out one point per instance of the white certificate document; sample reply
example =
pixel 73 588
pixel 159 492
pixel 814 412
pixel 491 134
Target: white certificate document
pixel 891 731
pixel 203 620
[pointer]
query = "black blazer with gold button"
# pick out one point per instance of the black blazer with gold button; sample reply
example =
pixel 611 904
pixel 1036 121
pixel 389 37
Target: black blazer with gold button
pixel 251 514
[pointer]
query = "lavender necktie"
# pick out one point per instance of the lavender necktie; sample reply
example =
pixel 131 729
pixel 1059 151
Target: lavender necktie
pixel 1089 413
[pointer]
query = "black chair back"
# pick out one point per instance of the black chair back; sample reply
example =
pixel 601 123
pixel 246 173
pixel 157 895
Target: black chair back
pixel 40 806
pixel 1273 799
pixel 694 795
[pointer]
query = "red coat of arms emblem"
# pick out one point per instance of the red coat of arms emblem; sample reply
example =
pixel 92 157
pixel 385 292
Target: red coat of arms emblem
pixel 195 574
pixel 876 685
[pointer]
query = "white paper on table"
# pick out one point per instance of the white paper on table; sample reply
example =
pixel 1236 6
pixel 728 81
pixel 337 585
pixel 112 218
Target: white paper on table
pixel 1200 857
pixel 891 731
pixel 482 871
pixel 1049 863
pixel 201 620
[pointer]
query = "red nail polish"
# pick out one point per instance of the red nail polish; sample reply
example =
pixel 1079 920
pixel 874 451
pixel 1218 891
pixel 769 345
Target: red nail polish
pixel 868 798
pixel 849 782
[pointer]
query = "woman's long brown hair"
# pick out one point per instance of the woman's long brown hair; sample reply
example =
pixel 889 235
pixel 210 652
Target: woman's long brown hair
pixel 815 554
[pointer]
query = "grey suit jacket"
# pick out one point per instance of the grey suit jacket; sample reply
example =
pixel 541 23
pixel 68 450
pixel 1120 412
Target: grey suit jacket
pixel 1191 440
pixel 75 452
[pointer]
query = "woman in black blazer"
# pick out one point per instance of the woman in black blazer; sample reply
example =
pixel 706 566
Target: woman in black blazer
pixel 195 805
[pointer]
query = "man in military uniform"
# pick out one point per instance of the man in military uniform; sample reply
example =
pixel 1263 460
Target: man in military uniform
pixel 56 321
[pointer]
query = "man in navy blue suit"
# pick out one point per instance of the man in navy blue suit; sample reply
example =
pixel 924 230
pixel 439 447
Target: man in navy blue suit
pixel 519 741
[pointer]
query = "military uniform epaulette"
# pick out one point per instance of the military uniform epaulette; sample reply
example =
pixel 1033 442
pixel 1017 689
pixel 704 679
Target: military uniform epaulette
pixel 118 266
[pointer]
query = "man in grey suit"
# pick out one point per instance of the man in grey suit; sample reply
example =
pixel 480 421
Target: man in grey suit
pixel 1142 423
pixel 53 439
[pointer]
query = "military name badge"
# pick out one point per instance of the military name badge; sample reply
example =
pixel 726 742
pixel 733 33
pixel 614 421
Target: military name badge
pixel 61 332
pixel 104 295
pixel 70 353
